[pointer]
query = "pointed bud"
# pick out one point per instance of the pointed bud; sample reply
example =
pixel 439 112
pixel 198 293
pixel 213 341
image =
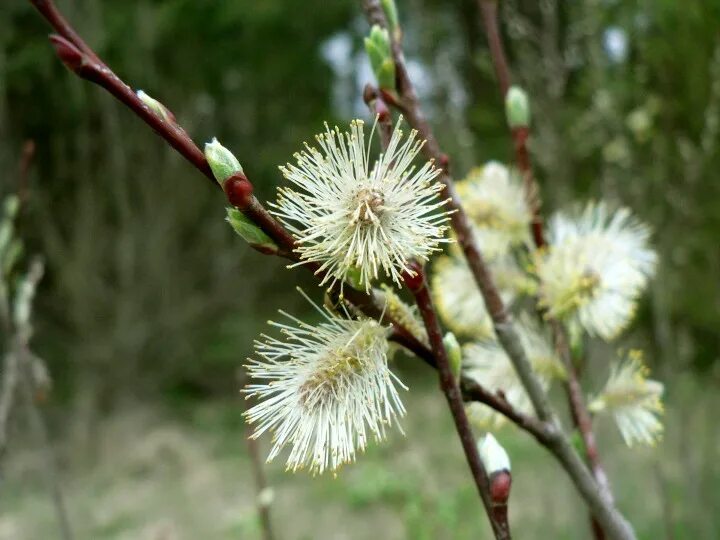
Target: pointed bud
pixel 500 484
pixel 517 108
pixel 493 456
pixel 239 190
pixel 414 276
pixel 377 46
pixel 250 232
pixel 399 311
pixel 391 14
pixel 454 353
pixel 577 441
pixel 68 53
pixel 155 106
pixel 221 160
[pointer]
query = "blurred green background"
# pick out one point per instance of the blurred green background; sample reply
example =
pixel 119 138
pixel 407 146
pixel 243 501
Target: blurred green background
pixel 150 303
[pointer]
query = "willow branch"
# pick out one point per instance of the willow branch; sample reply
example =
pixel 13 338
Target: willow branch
pixel 84 62
pixel 10 364
pixel 418 286
pixel 520 135
pixel 409 104
pixel 558 442
pixel 579 411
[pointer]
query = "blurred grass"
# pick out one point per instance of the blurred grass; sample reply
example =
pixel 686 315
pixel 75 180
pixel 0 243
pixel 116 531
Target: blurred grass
pixel 183 473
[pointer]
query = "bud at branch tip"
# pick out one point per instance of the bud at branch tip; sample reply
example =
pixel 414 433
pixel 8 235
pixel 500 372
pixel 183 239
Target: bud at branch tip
pixel 379 51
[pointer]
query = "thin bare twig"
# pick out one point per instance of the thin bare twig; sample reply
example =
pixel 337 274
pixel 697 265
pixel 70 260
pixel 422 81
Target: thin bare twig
pixel 520 135
pixel 489 12
pixel 409 104
pixel 418 286
pixel 19 374
pixel 10 361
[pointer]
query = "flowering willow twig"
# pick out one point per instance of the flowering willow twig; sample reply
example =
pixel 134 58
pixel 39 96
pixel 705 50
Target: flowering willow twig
pixel 449 385
pixel 520 134
pixel 82 60
pixel 408 102
pixel 77 55
pixel 559 444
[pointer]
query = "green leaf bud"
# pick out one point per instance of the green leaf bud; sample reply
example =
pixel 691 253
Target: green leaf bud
pixel 249 231
pixel 222 161
pixel 379 51
pixel 155 106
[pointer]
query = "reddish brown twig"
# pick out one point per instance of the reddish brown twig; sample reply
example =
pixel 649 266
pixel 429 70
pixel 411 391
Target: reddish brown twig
pixel 581 417
pixel 520 135
pixel 500 484
pixel 418 286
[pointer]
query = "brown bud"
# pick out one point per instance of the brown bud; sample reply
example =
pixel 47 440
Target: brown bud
pixel 239 190
pixel 70 55
pixel 382 110
pixel 444 162
pixel 369 94
pixel 500 484
pixel 415 278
